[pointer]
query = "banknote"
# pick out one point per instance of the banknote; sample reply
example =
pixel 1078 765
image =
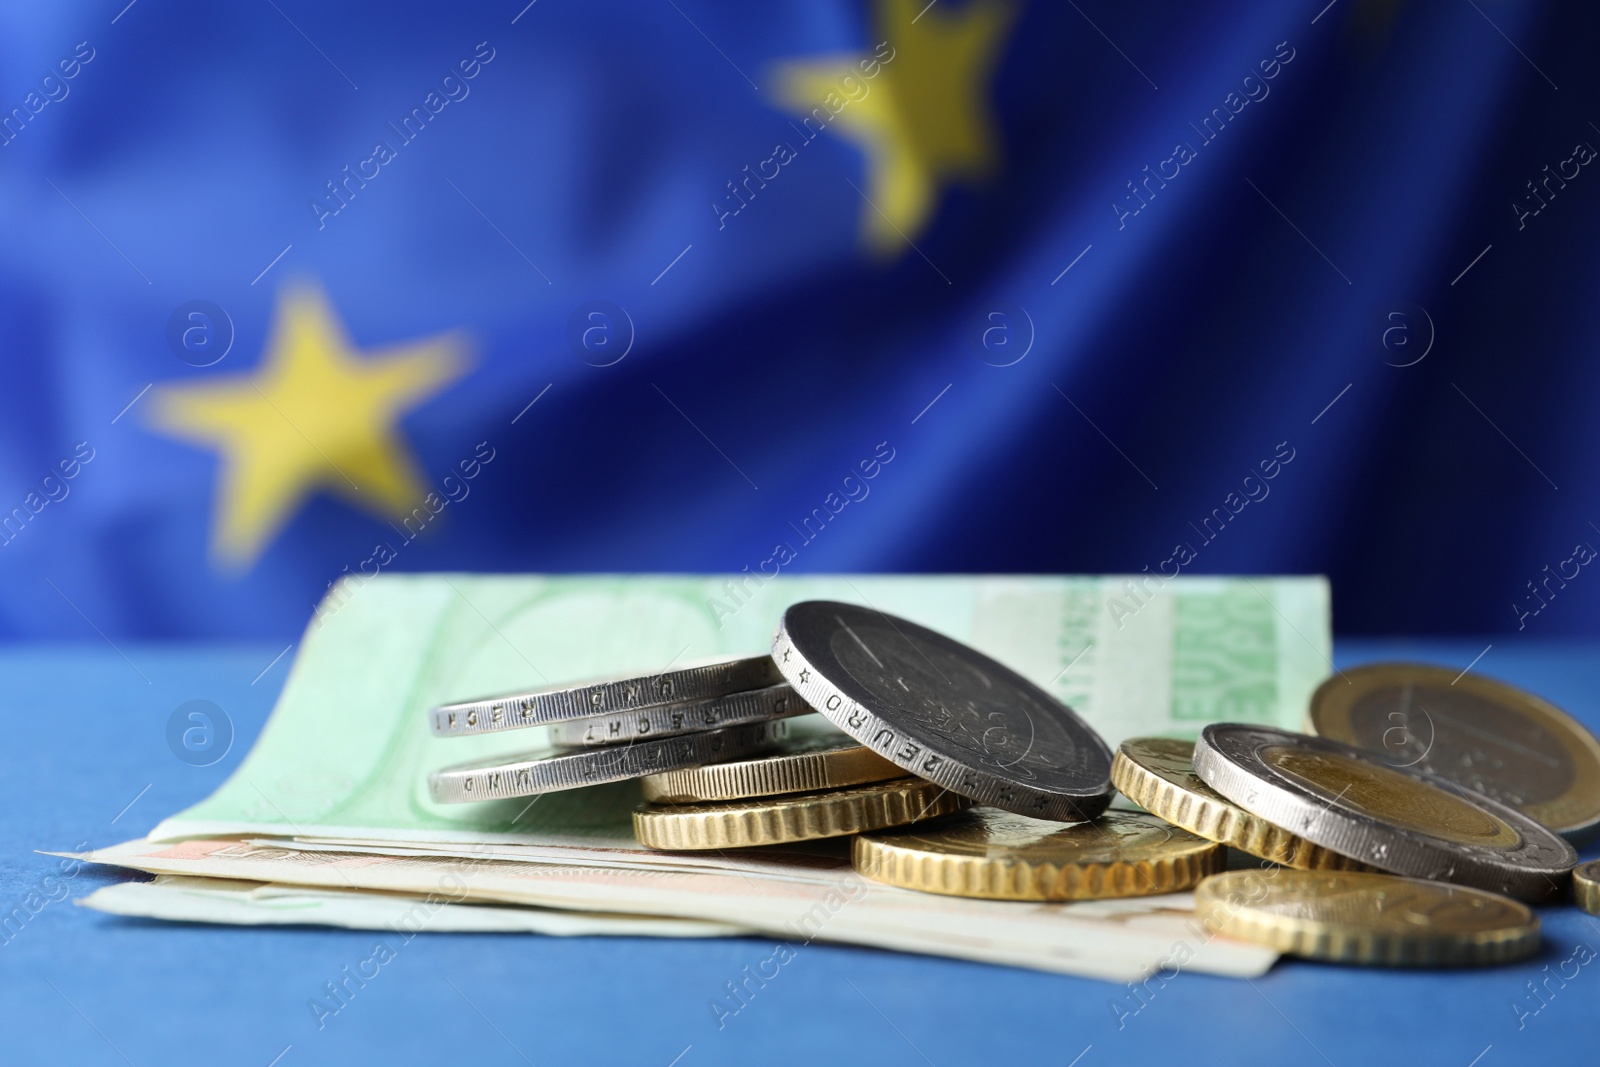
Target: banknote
pixel 347 750
pixel 1121 940
pixel 238 903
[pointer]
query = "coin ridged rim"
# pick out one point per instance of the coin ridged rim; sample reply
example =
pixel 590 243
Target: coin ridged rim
pixel 784 772
pixel 549 770
pixel 883 859
pixel 1586 886
pixel 936 763
pixel 802 817
pixel 1227 758
pixel 1333 700
pixel 1219 819
pixel 1320 939
pixel 670 720
pixel 600 696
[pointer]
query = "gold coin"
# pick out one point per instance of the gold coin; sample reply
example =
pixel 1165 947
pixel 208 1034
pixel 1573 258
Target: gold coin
pixel 1360 917
pixel 1586 886
pixel 796 817
pixel 800 765
pixel 1157 773
pixel 997 855
pixel 1491 737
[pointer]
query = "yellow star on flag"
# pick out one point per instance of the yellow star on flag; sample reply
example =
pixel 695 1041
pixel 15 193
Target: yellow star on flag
pixel 314 415
pixel 924 119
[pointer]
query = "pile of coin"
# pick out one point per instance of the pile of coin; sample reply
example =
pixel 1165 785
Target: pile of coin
pixel 1408 830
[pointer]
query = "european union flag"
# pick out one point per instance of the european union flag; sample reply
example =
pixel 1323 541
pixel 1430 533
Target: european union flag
pixel 297 291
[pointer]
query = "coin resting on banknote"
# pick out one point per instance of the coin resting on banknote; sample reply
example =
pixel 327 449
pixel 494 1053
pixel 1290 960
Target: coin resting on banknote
pixel 973 689
pixel 999 855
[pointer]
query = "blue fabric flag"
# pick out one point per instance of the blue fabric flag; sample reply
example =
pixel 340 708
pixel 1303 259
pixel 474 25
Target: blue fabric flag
pixel 299 291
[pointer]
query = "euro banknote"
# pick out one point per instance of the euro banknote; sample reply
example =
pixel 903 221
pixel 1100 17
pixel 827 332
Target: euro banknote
pixel 1116 940
pixel 347 750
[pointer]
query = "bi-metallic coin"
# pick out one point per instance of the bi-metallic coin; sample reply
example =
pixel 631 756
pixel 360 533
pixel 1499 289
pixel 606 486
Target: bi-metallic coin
pixel 1396 819
pixel 1157 773
pixel 1487 735
pixel 622 727
pixel 943 711
pixel 703 680
pixel 550 769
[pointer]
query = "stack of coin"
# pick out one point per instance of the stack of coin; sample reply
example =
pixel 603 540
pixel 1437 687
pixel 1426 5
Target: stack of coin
pixel 820 784
pixel 924 727
pixel 1396 837
pixel 613 729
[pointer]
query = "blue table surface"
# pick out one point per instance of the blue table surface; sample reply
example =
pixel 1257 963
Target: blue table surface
pixel 89 763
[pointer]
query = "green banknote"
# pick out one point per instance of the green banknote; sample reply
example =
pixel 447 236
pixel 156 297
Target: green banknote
pixel 348 749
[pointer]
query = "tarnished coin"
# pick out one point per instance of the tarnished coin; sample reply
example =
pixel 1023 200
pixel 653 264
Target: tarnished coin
pixel 943 711
pixel 702 680
pixel 1355 917
pixel 798 765
pixel 1489 736
pixel 1586 886
pixel 795 817
pixel 999 855
pixel 1157 773
pixel 758 705
pixel 1397 819
pixel 550 769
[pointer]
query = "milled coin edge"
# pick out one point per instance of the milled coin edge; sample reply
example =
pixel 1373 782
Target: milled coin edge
pixel 784 820
pixel 1335 943
pixel 936 766
pixel 990 878
pixel 1221 821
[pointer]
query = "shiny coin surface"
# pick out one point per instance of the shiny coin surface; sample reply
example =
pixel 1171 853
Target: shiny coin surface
pixel 551 769
pixel 1397 819
pixel 1489 736
pixel 999 855
pixel 1157 773
pixel 705 680
pixel 943 711
pixel 758 705
pixel 798 765
pixel 1355 917
pixel 795 817
pixel 1586 886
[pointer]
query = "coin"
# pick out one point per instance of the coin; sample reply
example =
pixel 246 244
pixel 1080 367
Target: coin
pixel 1491 737
pixel 1397 819
pixel 549 769
pixel 943 711
pixel 1356 917
pixel 795 817
pixel 758 705
pixel 703 680
pixel 1157 773
pixel 1586 886
pixel 999 855
pixel 799 765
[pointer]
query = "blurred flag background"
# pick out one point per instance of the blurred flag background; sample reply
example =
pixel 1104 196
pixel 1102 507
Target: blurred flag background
pixel 294 291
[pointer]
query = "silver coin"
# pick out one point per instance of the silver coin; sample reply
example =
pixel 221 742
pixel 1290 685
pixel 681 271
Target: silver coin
pixel 944 711
pixel 705 680
pixel 759 705
pixel 550 769
pixel 1398 819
